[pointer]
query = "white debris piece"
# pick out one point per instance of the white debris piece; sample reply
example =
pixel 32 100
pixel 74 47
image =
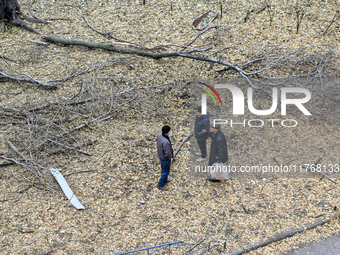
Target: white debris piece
pixel 66 189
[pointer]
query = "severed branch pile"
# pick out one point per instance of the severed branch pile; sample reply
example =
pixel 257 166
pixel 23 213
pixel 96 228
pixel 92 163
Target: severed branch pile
pixel 35 134
pixel 38 133
pixel 269 66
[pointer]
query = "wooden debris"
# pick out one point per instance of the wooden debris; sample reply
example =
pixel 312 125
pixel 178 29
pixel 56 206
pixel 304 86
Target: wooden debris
pixel 180 146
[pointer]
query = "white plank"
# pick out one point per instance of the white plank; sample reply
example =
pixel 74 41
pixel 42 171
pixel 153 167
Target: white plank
pixel 66 188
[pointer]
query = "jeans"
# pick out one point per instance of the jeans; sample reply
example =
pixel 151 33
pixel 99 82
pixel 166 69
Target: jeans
pixel 165 172
pixel 203 148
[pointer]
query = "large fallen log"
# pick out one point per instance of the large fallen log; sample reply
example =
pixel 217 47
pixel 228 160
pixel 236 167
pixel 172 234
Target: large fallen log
pixel 280 236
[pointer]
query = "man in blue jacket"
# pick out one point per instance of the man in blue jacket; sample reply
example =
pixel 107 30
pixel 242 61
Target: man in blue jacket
pixel 202 122
pixel 165 154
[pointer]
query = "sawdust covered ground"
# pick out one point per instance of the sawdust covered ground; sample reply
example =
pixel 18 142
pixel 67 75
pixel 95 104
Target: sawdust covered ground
pixel 240 211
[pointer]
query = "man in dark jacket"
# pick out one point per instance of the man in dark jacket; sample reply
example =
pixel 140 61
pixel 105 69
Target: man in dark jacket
pixel 202 122
pixel 165 154
pixel 218 150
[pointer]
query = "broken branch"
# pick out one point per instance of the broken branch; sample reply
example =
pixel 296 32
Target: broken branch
pixel 180 146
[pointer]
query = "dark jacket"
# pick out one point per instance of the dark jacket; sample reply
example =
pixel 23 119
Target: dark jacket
pixel 202 122
pixel 218 150
pixel 164 147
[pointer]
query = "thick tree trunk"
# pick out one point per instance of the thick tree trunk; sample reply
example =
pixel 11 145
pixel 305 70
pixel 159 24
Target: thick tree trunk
pixel 6 7
pixel 10 11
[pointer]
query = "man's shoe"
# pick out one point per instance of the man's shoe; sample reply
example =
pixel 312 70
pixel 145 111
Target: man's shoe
pixel 161 188
pixel 198 154
pixel 168 179
pixel 213 180
pixel 200 159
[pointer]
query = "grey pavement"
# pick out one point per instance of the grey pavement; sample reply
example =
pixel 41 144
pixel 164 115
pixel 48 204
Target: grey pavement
pixel 329 246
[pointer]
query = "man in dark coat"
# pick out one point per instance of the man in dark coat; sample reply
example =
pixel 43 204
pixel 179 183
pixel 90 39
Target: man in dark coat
pixel 165 154
pixel 218 150
pixel 202 122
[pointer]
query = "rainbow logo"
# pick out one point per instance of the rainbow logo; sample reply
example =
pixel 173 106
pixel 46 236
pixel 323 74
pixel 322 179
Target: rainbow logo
pixel 209 93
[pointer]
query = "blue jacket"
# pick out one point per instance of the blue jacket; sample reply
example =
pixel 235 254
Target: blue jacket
pixel 202 122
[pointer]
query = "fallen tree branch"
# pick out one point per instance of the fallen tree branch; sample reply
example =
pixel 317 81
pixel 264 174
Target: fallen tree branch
pixel 11 145
pixel 29 79
pixel 82 171
pixel 70 148
pixel 38 108
pixel 201 33
pixel 72 130
pixel 255 12
pixel 143 53
pixel 335 18
pixel 6 163
pixel 11 123
pixel 198 243
pixel 106 34
pixel 39 42
pixel 109 47
pixel 6 58
pixel 12 160
pixel 75 148
pixel 251 76
pixel 25 189
pixel 280 236
pixel 126 43
pixel 34 19
pixel 180 146
pixel 17 21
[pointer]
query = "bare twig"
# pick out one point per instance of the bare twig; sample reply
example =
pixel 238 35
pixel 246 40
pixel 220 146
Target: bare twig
pixel 198 243
pixel 28 79
pixel 15 149
pixel 250 11
pixel 109 34
pixel 299 16
pixel 6 163
pixel 6 58
pixel 39 42
pixel 79 172
pixel 197 36
pixel 69 147
pixel 335 18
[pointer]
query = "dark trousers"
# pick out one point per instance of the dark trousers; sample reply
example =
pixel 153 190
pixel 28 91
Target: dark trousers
pixel 165 164
pixel 203 148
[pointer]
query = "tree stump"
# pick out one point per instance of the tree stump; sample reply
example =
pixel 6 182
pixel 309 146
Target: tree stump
pixel 10 11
